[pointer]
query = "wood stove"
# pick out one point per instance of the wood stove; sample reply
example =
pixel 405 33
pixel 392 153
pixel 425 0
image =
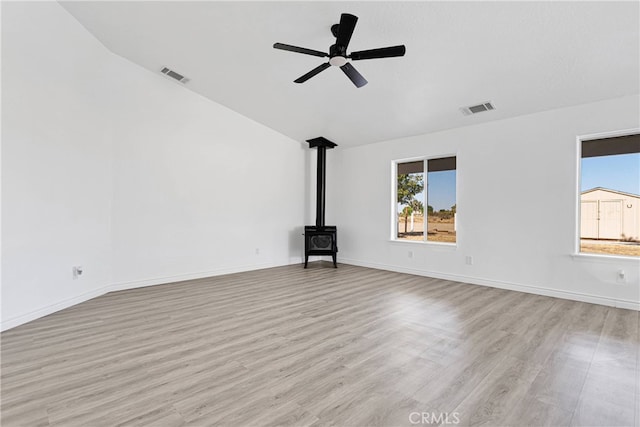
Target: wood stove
pixel 320 239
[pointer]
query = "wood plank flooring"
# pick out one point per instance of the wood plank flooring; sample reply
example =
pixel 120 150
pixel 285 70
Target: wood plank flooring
pixel 350 346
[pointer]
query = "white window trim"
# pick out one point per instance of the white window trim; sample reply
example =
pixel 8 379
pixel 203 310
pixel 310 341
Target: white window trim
pixel 603 258
pixel 577 255
pixel 394 197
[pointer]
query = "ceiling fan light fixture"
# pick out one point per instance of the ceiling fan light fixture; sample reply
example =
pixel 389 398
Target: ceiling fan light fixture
pixel 338 61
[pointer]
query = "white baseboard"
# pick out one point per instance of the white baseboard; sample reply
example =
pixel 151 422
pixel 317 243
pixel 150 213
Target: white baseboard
pixel 61 305
pixel 50 309
pixel 575 296
pixel 200 275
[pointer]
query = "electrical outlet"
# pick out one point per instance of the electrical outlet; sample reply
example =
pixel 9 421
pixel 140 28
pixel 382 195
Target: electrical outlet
pixel 77 271
pixel 410 254
pixel 257 251
pixel 468 260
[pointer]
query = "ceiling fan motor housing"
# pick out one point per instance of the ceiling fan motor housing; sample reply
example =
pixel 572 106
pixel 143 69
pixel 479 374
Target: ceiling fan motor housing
pixel 336 50
pixel 337 55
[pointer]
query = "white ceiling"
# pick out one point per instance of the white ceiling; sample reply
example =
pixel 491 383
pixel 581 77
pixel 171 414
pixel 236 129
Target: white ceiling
pixel 523 56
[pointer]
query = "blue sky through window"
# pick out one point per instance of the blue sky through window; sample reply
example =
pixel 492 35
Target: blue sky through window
pixel 441 190
pixel 620 172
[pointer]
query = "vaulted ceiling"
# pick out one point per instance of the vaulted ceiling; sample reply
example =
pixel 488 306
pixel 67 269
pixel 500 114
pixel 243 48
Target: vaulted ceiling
pixel 525 57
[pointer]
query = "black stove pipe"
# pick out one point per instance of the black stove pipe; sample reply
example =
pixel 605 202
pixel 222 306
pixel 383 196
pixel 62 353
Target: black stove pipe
pixel 321 185
pixel 322 144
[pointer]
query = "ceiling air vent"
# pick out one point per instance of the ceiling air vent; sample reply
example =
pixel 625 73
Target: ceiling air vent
pixel 475 109
pixel 174 75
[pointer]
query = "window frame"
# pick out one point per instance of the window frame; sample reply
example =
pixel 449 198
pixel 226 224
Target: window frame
pixel 577 254
pixel 394 199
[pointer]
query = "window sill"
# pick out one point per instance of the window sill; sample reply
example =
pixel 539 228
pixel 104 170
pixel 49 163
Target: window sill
pixel 439 245
pixel 607 259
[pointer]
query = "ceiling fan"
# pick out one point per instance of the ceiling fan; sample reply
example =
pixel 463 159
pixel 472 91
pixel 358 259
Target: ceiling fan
pixel 338 52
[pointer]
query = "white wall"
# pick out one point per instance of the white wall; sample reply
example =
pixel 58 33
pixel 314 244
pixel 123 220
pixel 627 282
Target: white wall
pixel 127 173
pixel 517 192
pixel 198 188
pixel 56 161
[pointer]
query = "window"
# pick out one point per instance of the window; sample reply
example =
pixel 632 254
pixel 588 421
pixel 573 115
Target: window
pixel 609 214
pixel 431 195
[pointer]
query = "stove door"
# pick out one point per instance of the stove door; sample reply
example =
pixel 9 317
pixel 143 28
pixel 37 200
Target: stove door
pixel 321 242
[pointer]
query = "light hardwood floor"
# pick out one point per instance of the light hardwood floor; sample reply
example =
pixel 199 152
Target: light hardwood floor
pixel 350 346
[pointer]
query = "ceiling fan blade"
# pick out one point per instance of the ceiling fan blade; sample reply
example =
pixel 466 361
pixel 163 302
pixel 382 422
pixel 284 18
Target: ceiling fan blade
pixel 312 73
pixel 383 52
pixel 345 29
pixel 297 49
pixel 354 75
